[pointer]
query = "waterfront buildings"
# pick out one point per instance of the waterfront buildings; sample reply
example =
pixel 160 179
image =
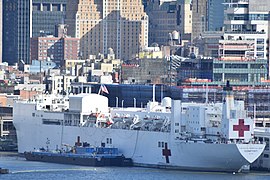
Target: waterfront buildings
pixel 100 25
pixel 28 91
pixel 7 130
pixel 71 66
pixel 61 84
pixel 213 71
pixel 99 69
pixel 195 70
pixel 246 24
pixel 243 46
pixel 242 49
pixel 241 73
pixel 39 66
pixel 249 19
pixel 146 71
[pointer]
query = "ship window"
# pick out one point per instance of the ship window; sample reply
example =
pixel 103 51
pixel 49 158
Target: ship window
pixel 261 139
pixel 51 121
pixel 109 140
pixel 233 115
pixel 266 155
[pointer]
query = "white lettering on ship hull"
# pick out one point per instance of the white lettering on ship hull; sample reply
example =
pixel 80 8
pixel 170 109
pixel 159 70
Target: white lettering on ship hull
pixel 250 153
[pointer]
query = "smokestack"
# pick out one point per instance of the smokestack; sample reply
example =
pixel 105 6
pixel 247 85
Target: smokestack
pixel 78 143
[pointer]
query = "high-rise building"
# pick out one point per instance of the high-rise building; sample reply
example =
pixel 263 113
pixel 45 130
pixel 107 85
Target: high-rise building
pixel 16 31
pixel 57 49
pixel 215 15
pixel 207 15
pixel 23 19
pixel 118 24
pixel 167 16
pixel 187 16
pixel 46 15
pixel 249 20
pixel 1 29
pixel 246 15
pixel 199 18
pixel 164 18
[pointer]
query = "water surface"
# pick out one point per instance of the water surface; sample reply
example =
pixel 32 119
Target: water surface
pixel 20 169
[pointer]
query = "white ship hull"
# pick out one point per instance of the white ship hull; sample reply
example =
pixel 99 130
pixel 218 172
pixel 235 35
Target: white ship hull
pixel 187 138
pixel 141 146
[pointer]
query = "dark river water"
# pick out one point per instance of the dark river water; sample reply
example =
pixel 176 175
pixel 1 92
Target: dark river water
pixel 20 169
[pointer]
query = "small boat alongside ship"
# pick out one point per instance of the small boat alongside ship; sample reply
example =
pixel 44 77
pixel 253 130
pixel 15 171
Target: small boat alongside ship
pixel 81 155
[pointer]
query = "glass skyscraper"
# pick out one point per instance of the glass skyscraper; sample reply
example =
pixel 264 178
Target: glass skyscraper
pixel 215 15
pixel 46 15
pixel 23 19
pixel 16 31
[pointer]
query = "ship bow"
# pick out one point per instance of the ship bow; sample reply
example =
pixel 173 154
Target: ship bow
pixel 250 152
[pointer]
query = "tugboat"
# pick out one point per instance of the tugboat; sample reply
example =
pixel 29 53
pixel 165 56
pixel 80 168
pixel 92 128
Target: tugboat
pixel 4 171
pixel 81 154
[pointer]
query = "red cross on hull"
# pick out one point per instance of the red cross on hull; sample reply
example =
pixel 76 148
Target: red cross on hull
pixel 241 127
pixel 166 152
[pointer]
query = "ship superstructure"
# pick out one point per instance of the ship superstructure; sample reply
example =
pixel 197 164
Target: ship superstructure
pixel 170 134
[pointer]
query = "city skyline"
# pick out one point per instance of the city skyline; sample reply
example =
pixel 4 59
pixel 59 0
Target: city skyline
pixel 127 27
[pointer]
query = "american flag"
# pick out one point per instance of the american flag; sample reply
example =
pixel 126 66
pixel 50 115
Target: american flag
pixel 103 89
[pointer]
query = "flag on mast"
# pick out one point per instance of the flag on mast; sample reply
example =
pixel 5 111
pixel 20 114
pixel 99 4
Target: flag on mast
pixel 103 89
